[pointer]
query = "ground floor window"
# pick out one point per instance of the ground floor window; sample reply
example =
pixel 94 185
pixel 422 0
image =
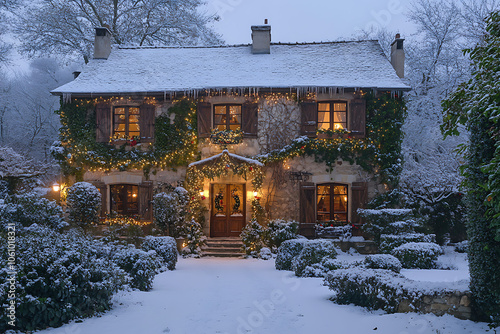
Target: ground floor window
pixel 124 199
pixel 332 202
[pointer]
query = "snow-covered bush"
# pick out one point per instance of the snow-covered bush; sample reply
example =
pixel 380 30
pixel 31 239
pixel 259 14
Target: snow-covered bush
pixel 462 247
pixel 382 261
pixel 279 230
pixel 385 221
pixel 420 255
pixel 287 251
pixel 327 264
pixel 59 277
pixel 265 253
pixel 165 248
pixel 195 238
pixel 29 208
pixel 84 204
pixel 252 238
pixel 170 210
pixel 140 265
pixel 313 252
pixel 390 241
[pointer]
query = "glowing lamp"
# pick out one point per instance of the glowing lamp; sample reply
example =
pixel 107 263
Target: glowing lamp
pixel 56 187
pixel 255 194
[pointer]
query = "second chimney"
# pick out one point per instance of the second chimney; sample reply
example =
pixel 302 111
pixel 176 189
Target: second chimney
pixel 102 43
pixel 398 56
pixel 261 39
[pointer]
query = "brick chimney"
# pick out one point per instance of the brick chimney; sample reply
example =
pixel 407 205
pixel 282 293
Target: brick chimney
pixel 102 43
pixel 398 56
pixel 261 39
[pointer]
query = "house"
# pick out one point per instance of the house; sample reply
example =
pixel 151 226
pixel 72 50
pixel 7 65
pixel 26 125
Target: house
pixel 307 131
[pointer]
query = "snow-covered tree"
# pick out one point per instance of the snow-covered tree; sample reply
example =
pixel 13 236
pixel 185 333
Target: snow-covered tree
pixel 16 168
pixel 66 27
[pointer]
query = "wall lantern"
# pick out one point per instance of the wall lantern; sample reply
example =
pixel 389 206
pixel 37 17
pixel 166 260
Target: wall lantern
pixel 297 177
pixel 56 187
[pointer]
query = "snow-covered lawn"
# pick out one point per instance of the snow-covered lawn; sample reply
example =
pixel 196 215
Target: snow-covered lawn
pixel 212 295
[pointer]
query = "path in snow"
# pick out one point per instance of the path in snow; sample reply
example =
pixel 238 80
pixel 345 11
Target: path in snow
pixel 248 296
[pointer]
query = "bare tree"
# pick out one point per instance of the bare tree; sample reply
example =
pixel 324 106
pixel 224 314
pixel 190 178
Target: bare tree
pixel 65 27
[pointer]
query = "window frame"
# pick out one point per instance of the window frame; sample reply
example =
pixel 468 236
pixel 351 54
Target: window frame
pixel 227 124
pixel 332 196
pixel 127 120
pixel 126 211
pixel 332 112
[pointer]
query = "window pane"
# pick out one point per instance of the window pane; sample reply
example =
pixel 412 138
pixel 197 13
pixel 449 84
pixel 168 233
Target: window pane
pixel 120 128
pixel 323 106
pixel 323 117
pixel 340 203
pixel 338 126
pixel 221 127
pixel 233 110
pixel 339 106
pixel 340 117
pixel 134 128
pixel 323 203
pixel 219 110
pixel 235 119
pixel 218 119
pixel 120 111
pixel 234 127
pixel 132 199
pixel 133 111
pixel 133 118
pixel 340 190
pixel 323 126
pixel 236 201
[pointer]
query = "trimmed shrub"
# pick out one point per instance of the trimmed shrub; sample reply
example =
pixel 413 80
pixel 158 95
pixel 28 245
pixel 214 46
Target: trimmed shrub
pixel 140 265
pixel 195 238
pixel 386 221
pixel 462 247
pixel 418 255
pixel 327 264
pixel 313 252
pixel 84 204
pixel 383 261
pixel 252 238
pixel 170 210
pixel 280 230
pixel 265 253
pixel 390 241
pixel 287 251
pixel 165 248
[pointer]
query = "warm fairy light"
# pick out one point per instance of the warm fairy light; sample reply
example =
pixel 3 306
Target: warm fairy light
pixel 255 194
pixel 56 187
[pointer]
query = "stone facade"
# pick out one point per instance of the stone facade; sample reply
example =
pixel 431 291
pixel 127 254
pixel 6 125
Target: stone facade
pixel 455 303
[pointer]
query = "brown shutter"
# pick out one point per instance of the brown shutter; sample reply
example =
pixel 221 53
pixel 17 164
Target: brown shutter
pixel 309 118
pixel 145 198
pixel 103 189
pixel 307 217
pixel 358 117
pixel 359 195
pixel 249 120
pixel 147 122
pixel 103 122
pixel 204 119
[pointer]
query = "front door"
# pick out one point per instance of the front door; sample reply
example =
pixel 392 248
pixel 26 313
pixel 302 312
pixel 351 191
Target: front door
pixel 228 210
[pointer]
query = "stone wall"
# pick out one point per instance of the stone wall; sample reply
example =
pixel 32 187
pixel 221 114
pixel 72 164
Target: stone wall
pixel 455 303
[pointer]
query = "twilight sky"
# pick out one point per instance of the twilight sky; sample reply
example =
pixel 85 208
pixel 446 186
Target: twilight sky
pixel 307 20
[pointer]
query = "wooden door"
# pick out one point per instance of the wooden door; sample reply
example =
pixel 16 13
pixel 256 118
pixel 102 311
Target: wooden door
pixel 228 210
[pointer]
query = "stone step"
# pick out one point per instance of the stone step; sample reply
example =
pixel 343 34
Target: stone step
pixel 213 254
pixel 222 250
pixel 224 244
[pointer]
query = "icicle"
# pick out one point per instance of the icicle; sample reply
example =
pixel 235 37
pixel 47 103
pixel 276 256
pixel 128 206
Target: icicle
pixel 66 97
pixel 164 96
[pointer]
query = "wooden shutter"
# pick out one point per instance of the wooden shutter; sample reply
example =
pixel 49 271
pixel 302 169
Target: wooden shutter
pixel 358 117
pixel 147 116
pixel 249 121
pixel 359 195
pixel 307 217
pixel 309 118
pixel 145 198
pixel 103 122
pixel 103 189
pixel 204 119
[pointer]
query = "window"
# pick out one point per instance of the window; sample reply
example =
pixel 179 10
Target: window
pixel 331 202
pixel 332 115
pixel 126 122
pixel 124 199
pixel 227 117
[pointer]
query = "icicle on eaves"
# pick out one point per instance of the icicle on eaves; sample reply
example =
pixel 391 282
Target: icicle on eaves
pixel 66 97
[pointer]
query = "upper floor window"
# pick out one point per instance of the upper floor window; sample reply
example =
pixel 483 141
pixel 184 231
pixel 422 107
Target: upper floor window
pixel 124 199
pixel 126 122
pixel 227 117
pixel 331 202
pixel 332 115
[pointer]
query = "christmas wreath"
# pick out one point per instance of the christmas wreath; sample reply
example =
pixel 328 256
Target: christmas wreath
pixel 219 201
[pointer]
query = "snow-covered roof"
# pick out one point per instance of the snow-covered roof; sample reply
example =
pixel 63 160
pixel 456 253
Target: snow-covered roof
pixel 357 64
pixel 231 155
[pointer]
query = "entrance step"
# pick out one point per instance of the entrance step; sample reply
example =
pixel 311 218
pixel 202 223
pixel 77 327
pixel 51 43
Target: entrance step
pixel 223 247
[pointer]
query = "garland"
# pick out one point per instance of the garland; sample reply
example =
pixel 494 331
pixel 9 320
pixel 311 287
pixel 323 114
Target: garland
pixel 226 137
pixel 237 201
pixel 218 201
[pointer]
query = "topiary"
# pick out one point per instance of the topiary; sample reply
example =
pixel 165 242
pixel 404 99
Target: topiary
pixel 279 230
pixel 313 252
pixel 165 248
pixel 84 204
pixel 420 255
pixel 383 261
pixel 287 251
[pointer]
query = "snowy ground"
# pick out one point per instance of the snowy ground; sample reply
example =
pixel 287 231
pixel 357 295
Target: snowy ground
pixel 249 296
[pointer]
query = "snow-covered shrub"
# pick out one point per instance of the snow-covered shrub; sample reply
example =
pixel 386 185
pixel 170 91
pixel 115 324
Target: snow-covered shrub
pixel 462 247
pixel 419 255
pixel 29 208
pixel 195 238
pixel 385 221
pixel 165 248
pixel 313 252
pixel 327 264
pixel 383 261
pixel 343 232
pixel 170 210
pixel 390 241
pixel 140 265
pixel 252 238
pixel 84 204
pixel 287 251
pixel 265 253
pixel 279 230
pixel 60 276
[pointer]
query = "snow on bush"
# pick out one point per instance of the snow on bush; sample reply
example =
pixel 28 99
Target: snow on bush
pixel 280 230
pixel 313 252
pixel 382 261
pixel 252 238
pixel 462 247
pixel 195 238
pixel 390 241
pixel 84 204
pixel 419 255
pixel 141 266
pixel 265 253
pixel 287 251
pixel 59 277
pixel 170 210
pixel 327 264
pixel 385 221
pixel 165 248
